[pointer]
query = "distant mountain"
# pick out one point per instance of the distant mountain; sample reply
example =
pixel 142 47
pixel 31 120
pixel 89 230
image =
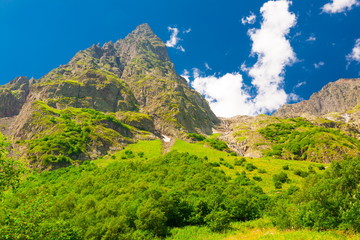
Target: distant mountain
pixel 131 82
pixel 339 96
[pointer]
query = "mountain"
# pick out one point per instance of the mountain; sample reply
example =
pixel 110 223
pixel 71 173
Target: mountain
pixel 339 96
pixel 105 97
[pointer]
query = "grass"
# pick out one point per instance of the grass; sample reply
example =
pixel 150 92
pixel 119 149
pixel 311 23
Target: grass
pixel 151 149
pixel 265 167
pixel 271 166
pixel 254 230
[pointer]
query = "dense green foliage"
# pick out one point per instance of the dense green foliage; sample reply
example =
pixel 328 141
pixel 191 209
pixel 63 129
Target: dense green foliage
pixel 10 170
pixel 196 137
pixel 128 199
pixel 72 133
pixel 326 201
pixel 298 139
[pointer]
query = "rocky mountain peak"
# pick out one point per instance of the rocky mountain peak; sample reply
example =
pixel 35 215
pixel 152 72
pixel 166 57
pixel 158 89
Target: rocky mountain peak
pixel 143 30
pixel 339 96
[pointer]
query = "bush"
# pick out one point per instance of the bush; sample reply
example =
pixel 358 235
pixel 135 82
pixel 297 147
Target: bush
pixel 239 162
pixel 281 177
pixel 321 167
pixel 301 173
pixel 286 167
pixel 228 165
pixel 250 167
pixel 278 185
pixel 214 164
pixel 218 144
pixel 218 220
pixel 257 178
pixel 196 137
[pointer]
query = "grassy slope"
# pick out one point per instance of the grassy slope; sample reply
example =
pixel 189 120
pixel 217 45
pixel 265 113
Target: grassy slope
pixel 271 166
pixel 257 229
pixel 153 149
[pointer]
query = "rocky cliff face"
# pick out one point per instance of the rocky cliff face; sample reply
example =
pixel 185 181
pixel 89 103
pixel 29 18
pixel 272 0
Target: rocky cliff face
pixel 105 97
pixel 13 96
pixel 339 96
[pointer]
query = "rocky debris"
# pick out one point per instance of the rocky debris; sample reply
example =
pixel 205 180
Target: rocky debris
pixel 241 134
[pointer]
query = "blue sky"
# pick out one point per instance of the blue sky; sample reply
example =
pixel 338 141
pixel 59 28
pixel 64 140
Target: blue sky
pixel 291 50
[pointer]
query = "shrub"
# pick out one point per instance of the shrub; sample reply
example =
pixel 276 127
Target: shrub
pixel 239 162
pixel 228 165
pixel 278 185
pixel 218 144
pixel 301 173
pixel 196 137
pixel 218 220
pixel 250 167
pixel 286 167
pixel 215 164
pixel 321 167
pixel 257 178
pixel 281 177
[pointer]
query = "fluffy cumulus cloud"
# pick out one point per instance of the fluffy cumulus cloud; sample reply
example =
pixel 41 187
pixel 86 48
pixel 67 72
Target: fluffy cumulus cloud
pixel 355 53
pixel 338 6
pixel 174 40
pixel 225 94
pixel 251 19
pixel 229 96
pixel 274 53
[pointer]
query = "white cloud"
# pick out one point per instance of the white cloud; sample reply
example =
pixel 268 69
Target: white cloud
pixel 186 75
pixel 229 96
pixel 355 53
pixel 299 84
pixel 207 67
pixel 251 19
pixel 338 6
pixel 173 42
pixel 226 94
pixel 311 38
pixel 319 65
pixel 274 53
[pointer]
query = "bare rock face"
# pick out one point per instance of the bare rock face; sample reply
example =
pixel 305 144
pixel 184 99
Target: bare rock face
pixel 13 96
pixel 339 96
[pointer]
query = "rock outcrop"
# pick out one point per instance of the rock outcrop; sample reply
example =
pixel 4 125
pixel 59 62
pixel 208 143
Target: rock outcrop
pixel 13 96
